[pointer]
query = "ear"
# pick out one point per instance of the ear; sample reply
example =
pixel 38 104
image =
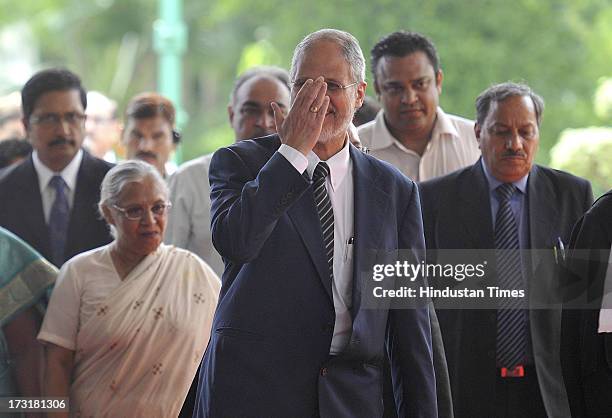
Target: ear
pixel 439 79
pixel 230 113
pixel 360 95
pixel 477 131
pixel 26 125
pixel 108 215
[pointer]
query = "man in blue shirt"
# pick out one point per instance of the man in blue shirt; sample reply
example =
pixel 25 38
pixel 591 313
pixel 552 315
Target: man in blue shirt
pixel 505 362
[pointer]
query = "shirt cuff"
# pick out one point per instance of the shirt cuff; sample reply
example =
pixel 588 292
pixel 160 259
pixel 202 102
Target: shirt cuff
pixel 296 158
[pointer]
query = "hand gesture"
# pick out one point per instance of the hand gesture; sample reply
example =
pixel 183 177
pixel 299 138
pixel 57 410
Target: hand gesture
pixel 301 128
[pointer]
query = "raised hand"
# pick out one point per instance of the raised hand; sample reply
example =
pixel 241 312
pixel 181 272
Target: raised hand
pixel 301 128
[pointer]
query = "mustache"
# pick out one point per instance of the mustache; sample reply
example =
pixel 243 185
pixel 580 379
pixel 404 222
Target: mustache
pixel 62 141
pixel 145 154
pixel 511 153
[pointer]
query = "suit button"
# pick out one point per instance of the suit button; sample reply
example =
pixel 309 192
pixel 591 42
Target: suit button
pixel 324 371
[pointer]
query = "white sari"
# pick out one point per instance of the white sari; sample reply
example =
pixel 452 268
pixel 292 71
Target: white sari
pixel 137 354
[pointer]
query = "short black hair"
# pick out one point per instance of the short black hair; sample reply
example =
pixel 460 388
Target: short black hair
pixel 52 79
pixel 401 44
pixel 13 148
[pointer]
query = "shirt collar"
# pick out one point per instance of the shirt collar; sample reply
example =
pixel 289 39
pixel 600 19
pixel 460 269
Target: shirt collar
pixel 520 184
pixel 338 164
pixel 443 128
pixel 69 173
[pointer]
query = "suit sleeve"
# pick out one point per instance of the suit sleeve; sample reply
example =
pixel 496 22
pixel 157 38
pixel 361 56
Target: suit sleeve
pixel 246 203
pixel 179 221
pixel 409 337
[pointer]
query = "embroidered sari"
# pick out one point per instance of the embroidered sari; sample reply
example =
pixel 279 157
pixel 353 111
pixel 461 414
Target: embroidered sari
pixel 24 278
pixel 136 354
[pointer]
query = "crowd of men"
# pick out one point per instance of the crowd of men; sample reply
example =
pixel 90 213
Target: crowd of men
pixel 290 216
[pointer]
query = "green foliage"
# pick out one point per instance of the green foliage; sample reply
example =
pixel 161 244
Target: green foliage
pixel 586 153
pixel 561 48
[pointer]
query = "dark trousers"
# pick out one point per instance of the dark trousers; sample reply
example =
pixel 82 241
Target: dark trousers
pixel 519 397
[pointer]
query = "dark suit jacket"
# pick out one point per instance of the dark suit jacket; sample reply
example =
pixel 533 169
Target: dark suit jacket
pixel 269 350
pixel 586 355
pixel 21 211
pixel 457 215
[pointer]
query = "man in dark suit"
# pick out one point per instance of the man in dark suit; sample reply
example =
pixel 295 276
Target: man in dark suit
pixel 291 337
pixel 505 362
pixel 50 199
pixel 586 337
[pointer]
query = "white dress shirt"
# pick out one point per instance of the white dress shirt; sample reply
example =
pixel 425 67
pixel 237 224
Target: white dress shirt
pixel 189 219
pixel 47 192
pixel 605 313
pixel 339 185
pixel 452 146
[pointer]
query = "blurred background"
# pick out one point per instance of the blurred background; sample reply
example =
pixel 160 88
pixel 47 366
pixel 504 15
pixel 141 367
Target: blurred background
pixel 192 50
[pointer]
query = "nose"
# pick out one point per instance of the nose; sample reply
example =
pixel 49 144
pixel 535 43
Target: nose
pixel 145 144
pixel 147 218
pixel 409 96
pixel 514 142
pixel 63 127
pixel 267 121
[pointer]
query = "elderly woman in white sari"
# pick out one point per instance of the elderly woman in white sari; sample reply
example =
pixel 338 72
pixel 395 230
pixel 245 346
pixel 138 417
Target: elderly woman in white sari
pixel 128 323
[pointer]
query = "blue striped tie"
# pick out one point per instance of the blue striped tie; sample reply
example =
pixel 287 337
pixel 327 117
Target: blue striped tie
pixel 58 220
pixel 510 317
pixel 325 211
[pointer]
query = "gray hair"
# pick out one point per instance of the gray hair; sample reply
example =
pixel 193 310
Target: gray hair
pixel 270 71
pixel 500 92
pixel 123 173
pixel 347 43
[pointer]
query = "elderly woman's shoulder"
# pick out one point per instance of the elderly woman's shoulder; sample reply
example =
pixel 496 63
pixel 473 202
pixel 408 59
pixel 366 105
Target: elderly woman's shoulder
pixel 190 260
pixel 87 258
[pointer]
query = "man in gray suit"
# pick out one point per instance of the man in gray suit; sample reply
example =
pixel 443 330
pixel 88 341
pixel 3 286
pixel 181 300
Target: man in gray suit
pixel 505 362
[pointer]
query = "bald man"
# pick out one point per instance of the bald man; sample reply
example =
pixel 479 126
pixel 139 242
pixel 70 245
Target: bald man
pixel 250 116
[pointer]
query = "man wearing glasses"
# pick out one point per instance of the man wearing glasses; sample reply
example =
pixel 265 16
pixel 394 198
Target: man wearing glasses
pixel 296 217
pixel 50 199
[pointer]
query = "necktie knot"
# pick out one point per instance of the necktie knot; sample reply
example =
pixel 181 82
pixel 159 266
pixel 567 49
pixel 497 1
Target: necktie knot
pixel 58 183
pixel 321 171
pixel 505 191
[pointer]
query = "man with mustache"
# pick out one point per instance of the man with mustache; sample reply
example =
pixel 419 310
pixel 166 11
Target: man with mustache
pixel 149 132
pixel 411 131
pixel 50 199
pixel 504 360
pixel 250 116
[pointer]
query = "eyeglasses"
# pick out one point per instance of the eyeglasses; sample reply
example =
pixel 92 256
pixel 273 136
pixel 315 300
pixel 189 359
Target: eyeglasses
pixel 135 213
pixel 332 86
pixel 54 119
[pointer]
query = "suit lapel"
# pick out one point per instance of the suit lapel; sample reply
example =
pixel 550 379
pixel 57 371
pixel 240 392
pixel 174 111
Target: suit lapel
pixel 542 210
pixel 303 214
pixel 474 208
pixel 33 214
pixel 371 207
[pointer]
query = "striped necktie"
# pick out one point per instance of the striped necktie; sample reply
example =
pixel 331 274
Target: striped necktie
pixel 511 341
pixel 325 211
pixel 58 220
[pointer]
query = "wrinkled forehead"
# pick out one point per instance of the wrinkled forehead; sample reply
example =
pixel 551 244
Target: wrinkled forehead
pixel 262 89
pixel 323 58
pixel 518 110
pixel 147 189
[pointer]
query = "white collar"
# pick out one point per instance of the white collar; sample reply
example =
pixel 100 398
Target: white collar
pixel 443 127
pixel 338 164
pixel 69 173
